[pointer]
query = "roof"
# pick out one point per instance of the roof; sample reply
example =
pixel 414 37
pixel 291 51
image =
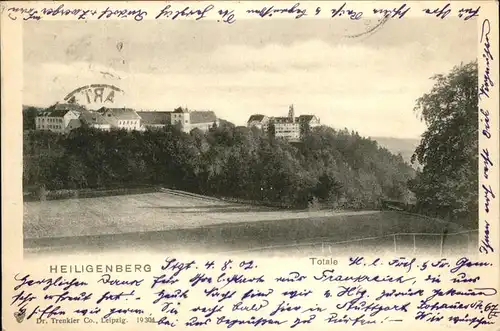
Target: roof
pixel 121 113
pixel 155 117
pixel 305 118
pixel 256 118
pixel 92 118
pixel 282 119
pixel 74 122
pixel 180 110
pixel 202 117
pixel 60 109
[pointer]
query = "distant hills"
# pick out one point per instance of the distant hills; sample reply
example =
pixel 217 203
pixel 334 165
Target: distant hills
pixel 399 145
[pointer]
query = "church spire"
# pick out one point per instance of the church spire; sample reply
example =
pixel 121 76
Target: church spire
pixel 291 114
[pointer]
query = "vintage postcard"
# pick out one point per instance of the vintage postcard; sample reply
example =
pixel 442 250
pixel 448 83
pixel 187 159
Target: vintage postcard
pixel 234 165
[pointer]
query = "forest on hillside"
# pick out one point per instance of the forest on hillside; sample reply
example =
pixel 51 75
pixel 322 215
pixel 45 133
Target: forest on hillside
pixel 333 168
pixel 339 169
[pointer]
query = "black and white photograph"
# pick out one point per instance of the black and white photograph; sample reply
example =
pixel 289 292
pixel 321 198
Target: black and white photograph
pixel 277 137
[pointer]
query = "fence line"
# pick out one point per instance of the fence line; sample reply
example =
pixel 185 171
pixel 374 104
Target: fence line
pixel 323 241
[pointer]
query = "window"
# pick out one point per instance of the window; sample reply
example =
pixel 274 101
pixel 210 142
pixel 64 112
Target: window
pixel 186 121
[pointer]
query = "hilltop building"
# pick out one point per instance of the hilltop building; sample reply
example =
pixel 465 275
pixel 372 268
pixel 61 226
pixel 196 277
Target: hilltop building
pixel 290 128
pixel 63 118
pixel 59 118
pixel 121 118
pixel 187 120
pixel 94 120
pixel 259 121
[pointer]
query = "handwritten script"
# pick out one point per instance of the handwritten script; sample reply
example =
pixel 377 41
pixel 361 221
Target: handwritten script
pixel 224 14
pixel 353 291
pixel 486 84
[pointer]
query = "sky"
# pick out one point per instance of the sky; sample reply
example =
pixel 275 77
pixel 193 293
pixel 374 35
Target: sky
pixel 368 84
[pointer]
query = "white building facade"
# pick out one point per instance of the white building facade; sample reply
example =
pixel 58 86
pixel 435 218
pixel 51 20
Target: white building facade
pixel 58 117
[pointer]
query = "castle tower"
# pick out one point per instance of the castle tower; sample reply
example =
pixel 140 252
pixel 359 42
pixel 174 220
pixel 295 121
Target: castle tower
pixel 291 114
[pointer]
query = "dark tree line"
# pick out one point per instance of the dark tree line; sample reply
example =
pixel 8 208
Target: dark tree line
pixel 329 167
pixel 447 185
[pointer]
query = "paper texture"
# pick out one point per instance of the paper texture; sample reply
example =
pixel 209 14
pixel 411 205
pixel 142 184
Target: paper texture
pixel 234 165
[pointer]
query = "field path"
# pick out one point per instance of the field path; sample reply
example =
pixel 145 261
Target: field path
pixel 145 212
pixel 174 220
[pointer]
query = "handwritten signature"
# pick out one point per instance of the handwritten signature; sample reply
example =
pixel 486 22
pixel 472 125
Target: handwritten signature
pixel 484 90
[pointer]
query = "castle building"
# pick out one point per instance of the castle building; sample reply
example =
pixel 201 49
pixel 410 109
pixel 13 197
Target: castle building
pixel 59 118
pixel 94 120
pixel 185 119
pixel 121 118
pixel 290 128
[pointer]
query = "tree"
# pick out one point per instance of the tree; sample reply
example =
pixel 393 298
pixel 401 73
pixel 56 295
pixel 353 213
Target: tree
pixel 29 116
pixel 447 184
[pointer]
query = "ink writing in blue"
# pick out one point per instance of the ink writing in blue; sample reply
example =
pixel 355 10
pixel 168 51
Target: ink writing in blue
pixel 200 278
pixel 468 13
pixel 485 119
pixel 254 321
pixel 488 195
pixel 137 14
pixel 465 262
pixel 32 13
pixel 47 312
pixel 270 11
pixel 395 293
pixel 469 292
pixel 176 294
pixel 252 293
pixel 439 12
pixel 403 263
pixel 351 291
pixel 163 280
pixel 85 312
pixel 214 292
pixel 358 304
pixel 331 276
pixel 208 311
pixel 108 296
pixel 169 308
pixel 173 264
pixel 113 311
pixel 487 82
pixel 65 296
pixel 393 13
pixel 293 276
pixel 428 316
pixel 485 155
pixel 242 306
pixel 238 279
pixel 193 321
pixel 441 263
pixel 106 279
pixel 294 293
pixel 62 11
pixel 285 307
pixel 357 260
pixel 227 16
pixel 353 15
pixel 187 12
pixel 247 265
pixel 48 282
pixel 463 278
pixel 473 321
pixel 22 298
pixel 485 242
pixel 433 279
pixel 166 322
pixel 299 321
pixel 346 319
